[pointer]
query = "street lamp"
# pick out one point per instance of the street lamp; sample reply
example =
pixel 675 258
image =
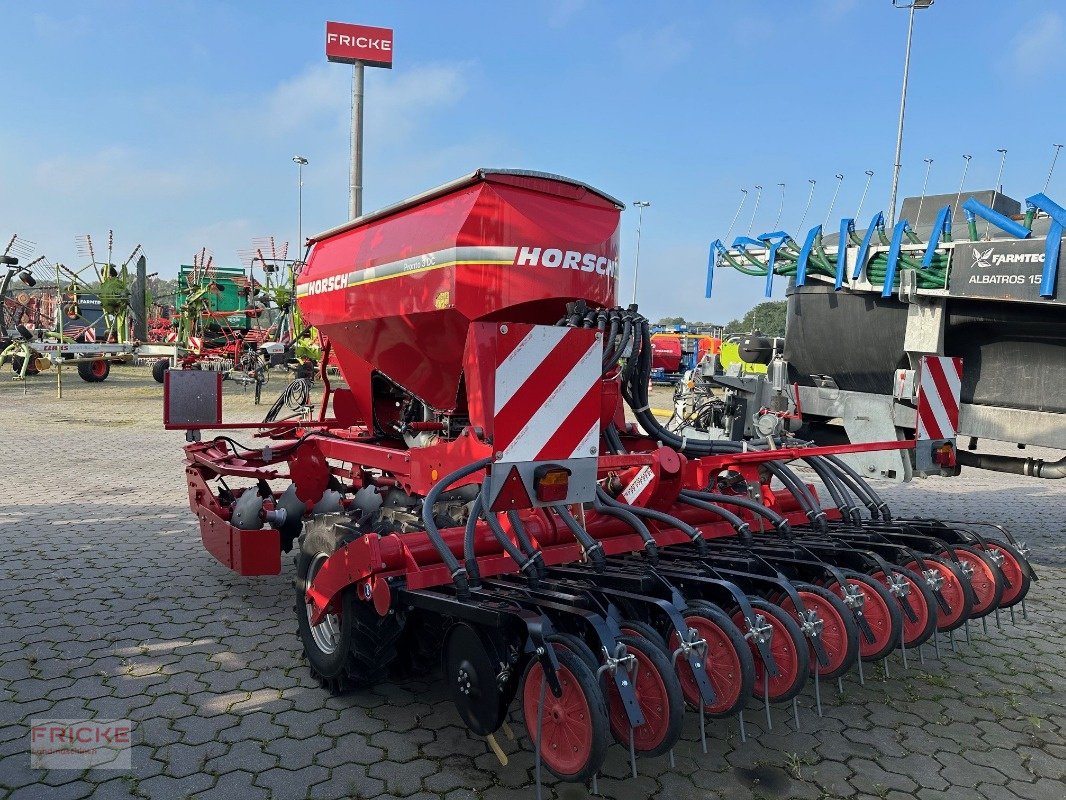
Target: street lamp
pixel 914 5
pixel 640 204
pixel 300 163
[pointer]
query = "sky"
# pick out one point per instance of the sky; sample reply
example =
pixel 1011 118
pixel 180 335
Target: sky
pixel 174 123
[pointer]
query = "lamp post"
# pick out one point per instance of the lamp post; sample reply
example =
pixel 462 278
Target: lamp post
pixel 641 205
pixel 300 163
pixel 913 6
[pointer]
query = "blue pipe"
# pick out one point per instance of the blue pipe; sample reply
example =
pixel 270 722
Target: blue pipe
pixel 1053 243
pixel 893 256
pixel 772 245
pixel 877 222
pixel 716 245
pixel 847 225
pixel 940 227
pixel 805 254
pixel 1004 223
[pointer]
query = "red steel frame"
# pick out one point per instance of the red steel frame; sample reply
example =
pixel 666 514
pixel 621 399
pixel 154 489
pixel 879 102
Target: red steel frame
pixel 365 562
pixel 435 279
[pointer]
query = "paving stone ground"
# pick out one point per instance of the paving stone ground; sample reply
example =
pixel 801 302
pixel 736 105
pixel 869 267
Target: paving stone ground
pixel 110 608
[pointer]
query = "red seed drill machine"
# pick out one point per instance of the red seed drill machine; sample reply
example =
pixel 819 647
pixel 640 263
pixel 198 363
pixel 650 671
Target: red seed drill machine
pixel 476 495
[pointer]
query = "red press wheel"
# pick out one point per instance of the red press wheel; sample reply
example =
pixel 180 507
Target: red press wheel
pixel 882 615
pixel 573 727
pixel 1013 570
pixel 729 663
pixel 918 630
pixel 839 634
pixel 658 695
pixel 951 589
pixel 787 646
pixel 633 627
pixel 94 371
pixel 985 579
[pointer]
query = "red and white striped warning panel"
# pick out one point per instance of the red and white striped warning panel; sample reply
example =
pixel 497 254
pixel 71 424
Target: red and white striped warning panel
pixel 547 393
pixel 938 397
pixel 546 413
pixel 196 344
pixel 90 334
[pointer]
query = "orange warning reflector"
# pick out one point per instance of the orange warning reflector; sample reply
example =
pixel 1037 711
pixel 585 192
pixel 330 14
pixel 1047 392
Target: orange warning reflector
pixel 945 455
pixel 512 493
pixel 551 483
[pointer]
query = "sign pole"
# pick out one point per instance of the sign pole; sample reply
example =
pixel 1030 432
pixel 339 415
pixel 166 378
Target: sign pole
pixel 361 46
pixel 355 184
pixel 59 326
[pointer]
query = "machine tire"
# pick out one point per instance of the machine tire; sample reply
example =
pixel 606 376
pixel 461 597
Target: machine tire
pixel 882 613
pixel 16 366
pixel 421 645
pixel 789 649
pixel 953 590
pixel 159 369
pixel 365 643
pixel 576 645
pixel 987 579
pixel 93 372
pixel 729 662
pixel 635 627
pixel 1014 569
pixel 840 634
pixel 659 696
pixel 582 698
pixel 923 603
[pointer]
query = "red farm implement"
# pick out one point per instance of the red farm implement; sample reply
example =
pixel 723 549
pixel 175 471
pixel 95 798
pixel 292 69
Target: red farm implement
pixel 475 494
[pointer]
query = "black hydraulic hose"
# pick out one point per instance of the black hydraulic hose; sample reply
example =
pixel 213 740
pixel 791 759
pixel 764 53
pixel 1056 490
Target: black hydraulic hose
pixel 739 525
pixel 618 511
pixel 659 516
pixel 525 543
pixel 1031 467
pixel 852 500
pixel 468 543
pixel 882 506
pixel 638 366
pixel 609 358
pixel 769 514
pixel 840 493
pixel 455 569
pixel 624 340
pixel 635 379
pixel 799 490
pixel 527 564
pixel 593 549
pixel 857 490
pixel 858 487
pixel 614 440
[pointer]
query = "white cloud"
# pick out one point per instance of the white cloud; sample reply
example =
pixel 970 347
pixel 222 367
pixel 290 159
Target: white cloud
pixel 52 29
pixel 314 96
pixel 112 172
pixel 562 11
pixel 1037 47
pixel 229 178
pixel 395 104
pixel 404 103
pixel 836 8
pixel 655 49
